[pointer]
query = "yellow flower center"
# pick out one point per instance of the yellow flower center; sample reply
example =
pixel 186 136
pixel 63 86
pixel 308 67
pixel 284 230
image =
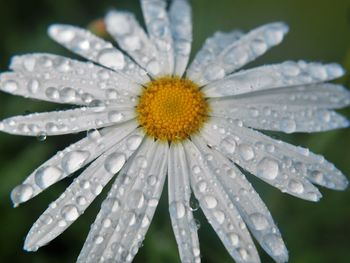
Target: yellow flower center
pixel 171 109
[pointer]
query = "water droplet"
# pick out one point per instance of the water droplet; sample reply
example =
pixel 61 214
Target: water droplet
pixel 259 221
pixel 232 173
pixel 295 186
pixel 133 142
pixel 29 63
pixel 234 238
pixel 10 86
pixel 152 179
pixel 21 193
pixel 228 145
pixel 177 209
pixel 153 202
pixel 136 199
pixel 219 216
pixel 196 169
pixel 81 200
pixel 115 116
pixel 74 160
pixel 85 184
pixel 46 219
pixel 194 204
pixel 202 186
pixel 52 93
pixel 243 253
pixel 112 58
pixel 274 244
pixel 41 136
pixel 63 35
pixel 68 94
pixel 33 86
pixel 145 221
pixel 268 168
pixel 210 201
pixel 115 162
pixel 98 240
pixel 70 213
pixel 246 152
pixel 288 125
pixel 47 175
pixel 107 223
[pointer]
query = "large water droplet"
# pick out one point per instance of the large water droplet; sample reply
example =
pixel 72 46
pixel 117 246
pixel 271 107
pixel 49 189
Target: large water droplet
pixel 288 125
pixel 21 193
pixel 259 221
pixel 74 160
pixel 228 145
pixel 275 244
pixel 115 116
pixel 210 201
pixel 246 152
pixel 295 186
pixel 10 86
pixel 219 216
pixel 33 86
pixel 268 168
pixel 112 58
pixel 177 209
pixel 70 213
pixel 47 175
pixel 115 162
pixel 133 142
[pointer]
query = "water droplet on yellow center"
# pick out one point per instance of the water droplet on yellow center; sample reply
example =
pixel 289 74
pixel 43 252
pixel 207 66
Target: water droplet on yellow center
pixel 172 109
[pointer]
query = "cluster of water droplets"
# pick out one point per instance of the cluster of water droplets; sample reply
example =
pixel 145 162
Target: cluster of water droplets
pixel 125 215
pixel 240 50
pixel 84 189
pixel 62 80
pixel 93 48
pixel 284 166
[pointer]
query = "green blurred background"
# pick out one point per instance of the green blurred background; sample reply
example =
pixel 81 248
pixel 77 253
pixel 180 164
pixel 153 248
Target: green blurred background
pixel 320 31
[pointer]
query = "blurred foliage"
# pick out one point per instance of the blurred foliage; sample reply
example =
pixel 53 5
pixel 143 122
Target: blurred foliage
pixel 314 233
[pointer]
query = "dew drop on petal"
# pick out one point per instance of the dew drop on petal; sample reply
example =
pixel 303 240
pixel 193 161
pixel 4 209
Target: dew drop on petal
pixel 268 168
pixel 21 193
pixel 210 201
pixel 115 116
pixel 112 58
pixel 10 86
pixel 246 152
pixel 177 209
pixel 219 216
pixel 288 125
pixel 47 175
pixel 275 244
pixel 228 145
pixel 259 221
pixel 133 142
pixel 295 186
pixel 74 160
pixel 115 162
pixel 69 213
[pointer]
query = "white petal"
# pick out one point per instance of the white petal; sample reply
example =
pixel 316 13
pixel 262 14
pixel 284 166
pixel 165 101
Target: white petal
pixel 159 31
pixel 70 160
pixel 240 52
pixel 62 80
pixel 282 165
pixel 125 215
pixel 180 16
pixel 79 195
pixel 287 119
pixel 286 74
pixel 183 223
pixel 215 204
pixel 131 37
pixel 203 68
pixel 91 47
pixel 247 201
pixel 317 96
pixel 66 122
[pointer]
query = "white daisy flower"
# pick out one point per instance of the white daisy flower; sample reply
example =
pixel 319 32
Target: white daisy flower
pixel 145 121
